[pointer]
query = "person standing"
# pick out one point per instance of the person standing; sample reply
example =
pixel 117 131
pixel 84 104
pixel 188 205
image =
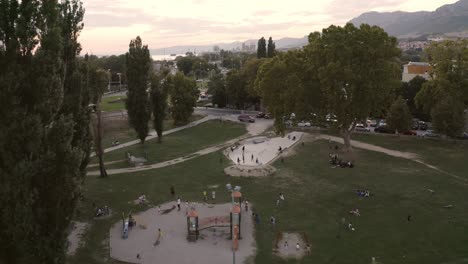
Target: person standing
pixel 178 203
pixel 205 196
pixel 281 196
pixel 251 158
pixel 246 205
pixel 213 195
pixel 172 191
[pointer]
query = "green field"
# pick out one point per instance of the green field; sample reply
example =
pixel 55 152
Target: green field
pixel 120 130
pixel 181 143
pixel 317 198
pixel 113 103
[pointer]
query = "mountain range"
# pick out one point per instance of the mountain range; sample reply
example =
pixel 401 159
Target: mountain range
pixel 284 43
pixel 450 20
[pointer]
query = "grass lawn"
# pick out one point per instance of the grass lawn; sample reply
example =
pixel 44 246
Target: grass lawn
pixel 113 103
pixel 120 130
pixel 448 155
pixel 317 198
pixel 182 143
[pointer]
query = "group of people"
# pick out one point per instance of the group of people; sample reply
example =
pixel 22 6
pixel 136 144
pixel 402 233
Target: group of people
pixel 363 193
pixel 298 246
pixel 101 211
pixel 243 156
pixel 335 161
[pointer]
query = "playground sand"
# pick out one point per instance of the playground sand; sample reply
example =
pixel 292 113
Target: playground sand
pixel 291 251
pixel 213 246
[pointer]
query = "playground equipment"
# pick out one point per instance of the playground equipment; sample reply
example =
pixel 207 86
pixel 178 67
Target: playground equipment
pixel 192 225
pixel 127 223
pixel 233 221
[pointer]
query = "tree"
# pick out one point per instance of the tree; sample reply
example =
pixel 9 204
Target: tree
pixel 97 84
pixel 399 116
pixel 183 94
pixel 44 137
pixel 236 84
pixel 271 48
pixel 159 95
pixel 448 117
pixel 261 48
pixel 449 85
pixel 409 91
pixel 287 86
pixel 217 88
pixel 138 62
pixel 358 71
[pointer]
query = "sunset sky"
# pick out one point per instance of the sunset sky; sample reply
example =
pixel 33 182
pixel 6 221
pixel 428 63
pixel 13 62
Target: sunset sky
pixel 110 24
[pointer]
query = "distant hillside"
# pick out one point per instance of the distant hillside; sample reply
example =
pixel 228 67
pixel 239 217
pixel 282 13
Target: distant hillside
pixel 446 19
pixel 284 43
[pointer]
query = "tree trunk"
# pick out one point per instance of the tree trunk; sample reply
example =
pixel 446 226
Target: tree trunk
pixel 98 141
pixel 346 134
pixel 160 135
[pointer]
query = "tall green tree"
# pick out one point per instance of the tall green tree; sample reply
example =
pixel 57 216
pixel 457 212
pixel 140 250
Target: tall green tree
pixel 408 91
pixel 449 85
pixel 271 52
pixel 261 48
pixel 236 85
pixel 44 137
pixel 183 94
pixel 97 84
pixel 217 88
pixel 159 97
pixel 358 70
pixel 138 63
pixel 448 117
pixel 399 116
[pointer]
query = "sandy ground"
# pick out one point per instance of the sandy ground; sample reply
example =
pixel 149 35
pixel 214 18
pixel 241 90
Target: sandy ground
pixel 290 251
pixel 74 238
pixel 174 248
pixel 249 171
pixel 264 152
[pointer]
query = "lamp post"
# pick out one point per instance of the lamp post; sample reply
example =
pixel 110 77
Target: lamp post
pixel 120 80
pixel 109 83
pixel 232 190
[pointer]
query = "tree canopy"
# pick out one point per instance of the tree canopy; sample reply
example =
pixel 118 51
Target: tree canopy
pixel 271 52
pixel 138 74
pixel 183 94
pixel 399 116
pixel 261 48
pixel 345 71
pixel 44 139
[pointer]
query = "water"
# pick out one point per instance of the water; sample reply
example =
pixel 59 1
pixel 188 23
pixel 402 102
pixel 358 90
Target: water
pixel 167 57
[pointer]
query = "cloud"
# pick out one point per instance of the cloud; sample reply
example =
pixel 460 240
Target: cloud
pixel 110 24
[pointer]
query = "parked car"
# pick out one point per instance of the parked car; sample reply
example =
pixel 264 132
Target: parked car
pixel 382 129
pixel 410 133
pixel 382 123
pixel 464 136
pixel 288 123
pixel 361 128
pixel 267 116
pixel 303 124
pixel 261 115
pixel 431 133
pixel 246 118
pixel 371 122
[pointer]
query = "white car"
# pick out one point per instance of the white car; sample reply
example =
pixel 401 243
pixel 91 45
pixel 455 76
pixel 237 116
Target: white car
pixel 361 128
pixel 303 124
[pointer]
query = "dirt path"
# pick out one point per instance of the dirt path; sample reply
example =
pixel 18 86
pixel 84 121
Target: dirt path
pixel 394 153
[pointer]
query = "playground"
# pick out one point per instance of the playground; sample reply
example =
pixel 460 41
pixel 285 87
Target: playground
pixel 175 245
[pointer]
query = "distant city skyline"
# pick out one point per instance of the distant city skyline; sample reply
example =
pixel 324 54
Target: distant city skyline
pixel 111 24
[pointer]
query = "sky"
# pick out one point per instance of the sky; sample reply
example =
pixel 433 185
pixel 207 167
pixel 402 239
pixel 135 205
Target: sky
pixel 111 24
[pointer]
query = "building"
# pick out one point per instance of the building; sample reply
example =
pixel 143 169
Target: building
pixel 414 69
